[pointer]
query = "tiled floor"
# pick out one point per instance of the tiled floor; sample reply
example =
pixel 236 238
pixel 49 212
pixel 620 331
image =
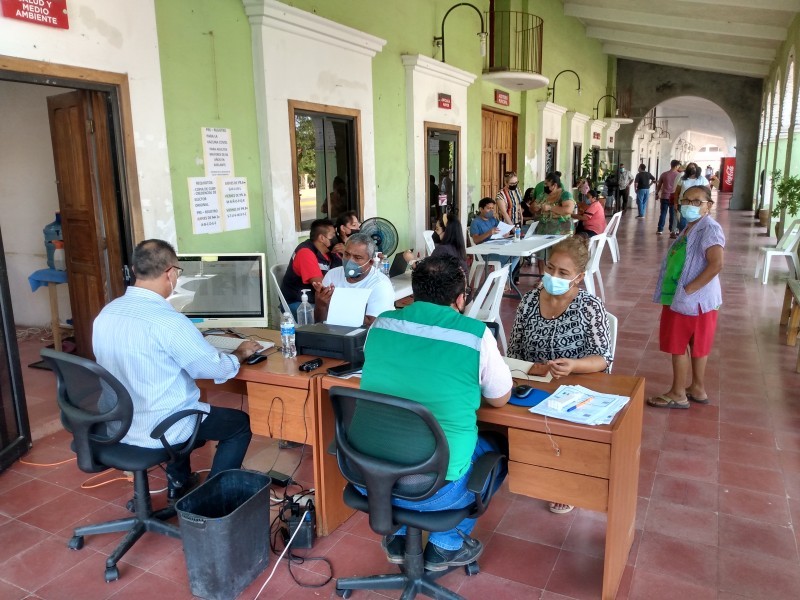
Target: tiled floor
pixel 719 485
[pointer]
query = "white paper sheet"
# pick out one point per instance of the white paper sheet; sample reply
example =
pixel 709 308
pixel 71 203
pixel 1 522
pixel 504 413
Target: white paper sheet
pixel 217 151
pixel 204 202
pixel 236 203
pixel 504 229
pixel 348 306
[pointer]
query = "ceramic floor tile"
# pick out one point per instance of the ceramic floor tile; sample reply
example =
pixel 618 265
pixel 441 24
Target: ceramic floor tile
pixel 756 536
pixel 751 478
pixel 683 522
pixel 689 561
pixel 755 575
pixel 519 560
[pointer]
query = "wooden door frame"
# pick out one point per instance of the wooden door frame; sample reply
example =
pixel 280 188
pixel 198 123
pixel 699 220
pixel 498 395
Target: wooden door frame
pixel 456 129
pixel 23 70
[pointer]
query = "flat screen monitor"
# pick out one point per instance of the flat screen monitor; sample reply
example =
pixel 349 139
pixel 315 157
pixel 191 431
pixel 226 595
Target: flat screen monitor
pixel 222 290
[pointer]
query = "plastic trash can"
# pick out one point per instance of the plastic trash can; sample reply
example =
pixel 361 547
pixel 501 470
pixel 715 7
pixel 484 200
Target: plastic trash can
pixel 224 527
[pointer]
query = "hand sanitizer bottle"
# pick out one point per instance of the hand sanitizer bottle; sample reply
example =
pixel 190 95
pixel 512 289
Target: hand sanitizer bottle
pixel 305 312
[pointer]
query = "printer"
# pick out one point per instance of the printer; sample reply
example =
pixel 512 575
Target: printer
pixel 331 341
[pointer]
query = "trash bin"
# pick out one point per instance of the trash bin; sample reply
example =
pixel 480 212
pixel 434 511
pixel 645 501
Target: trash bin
pixel 224 526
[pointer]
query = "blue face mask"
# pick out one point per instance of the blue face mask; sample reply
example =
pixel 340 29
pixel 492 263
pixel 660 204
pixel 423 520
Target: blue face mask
pixel 352 269
pixel 555 286
pixel 690 213
pixel 588 201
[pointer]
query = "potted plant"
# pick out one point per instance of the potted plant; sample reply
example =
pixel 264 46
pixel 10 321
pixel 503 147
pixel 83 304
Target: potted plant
pixel 788 191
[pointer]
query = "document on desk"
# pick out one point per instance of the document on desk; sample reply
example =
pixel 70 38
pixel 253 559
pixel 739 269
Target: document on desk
pixel 585 406
pixel 348 306
pixel 504 229
pixel 519 368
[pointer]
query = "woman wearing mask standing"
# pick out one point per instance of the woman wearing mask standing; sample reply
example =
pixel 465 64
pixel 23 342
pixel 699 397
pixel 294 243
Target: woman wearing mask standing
pixel 689 291
pixel 560 328
pixel 508 200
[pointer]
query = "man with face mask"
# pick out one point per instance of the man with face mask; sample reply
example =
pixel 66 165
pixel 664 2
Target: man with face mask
pixel 310 262
pixel 430 341
pixel 157 354
pixel 357 272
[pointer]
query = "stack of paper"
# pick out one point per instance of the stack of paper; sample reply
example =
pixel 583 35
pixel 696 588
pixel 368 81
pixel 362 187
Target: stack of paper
pixel 583 406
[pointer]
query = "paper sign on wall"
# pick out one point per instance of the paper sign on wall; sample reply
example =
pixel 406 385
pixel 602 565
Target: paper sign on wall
pixel 217 151
pixel 204 201
pixel 235 203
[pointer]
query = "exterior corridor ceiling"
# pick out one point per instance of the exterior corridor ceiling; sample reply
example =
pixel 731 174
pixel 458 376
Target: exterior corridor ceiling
pixel 739 37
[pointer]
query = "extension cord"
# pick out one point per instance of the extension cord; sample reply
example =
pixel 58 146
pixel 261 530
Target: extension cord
pixel 310 495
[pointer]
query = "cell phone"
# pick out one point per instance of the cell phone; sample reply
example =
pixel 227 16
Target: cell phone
pixel 345 369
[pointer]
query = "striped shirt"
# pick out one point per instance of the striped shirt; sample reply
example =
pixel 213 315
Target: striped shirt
pixel 156 353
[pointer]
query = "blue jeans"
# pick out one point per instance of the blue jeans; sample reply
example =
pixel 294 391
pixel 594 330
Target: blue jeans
pixel 666 205
pixel 453 495
pixel 641 200
pixel 229 427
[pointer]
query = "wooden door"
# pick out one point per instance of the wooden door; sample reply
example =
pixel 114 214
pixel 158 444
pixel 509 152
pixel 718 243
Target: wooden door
pixel 498 150
pixel 87 196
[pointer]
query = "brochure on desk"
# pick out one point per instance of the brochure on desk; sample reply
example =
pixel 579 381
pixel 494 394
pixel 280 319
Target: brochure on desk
pixel 585 406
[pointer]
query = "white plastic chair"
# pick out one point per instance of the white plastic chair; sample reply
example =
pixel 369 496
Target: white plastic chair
pixel 479 265
pixel 787 246
pixel 429 245
pixel 612 333
pixel 277 272
pixel 531 229
pixel 596 244
pixel 611 236
pixel 486 305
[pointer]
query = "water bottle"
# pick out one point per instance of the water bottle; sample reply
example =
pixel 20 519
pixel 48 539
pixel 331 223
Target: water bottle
pixel 59 258
pixel 385 266
pixel 52 232
pixel 287 336
pixel 305 312
pixel 517 232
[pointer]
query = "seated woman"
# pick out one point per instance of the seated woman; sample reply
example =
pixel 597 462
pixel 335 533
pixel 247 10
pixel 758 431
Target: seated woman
pixel 591 216
pixel 560 328
pixel 346 225
pixel 452 242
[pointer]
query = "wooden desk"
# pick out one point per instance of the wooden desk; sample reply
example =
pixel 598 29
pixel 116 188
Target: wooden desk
pixel 597 467
pixel 283 402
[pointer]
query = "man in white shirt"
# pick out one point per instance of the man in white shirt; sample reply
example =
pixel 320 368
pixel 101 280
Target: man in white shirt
pixel 357 272
pixel 157 353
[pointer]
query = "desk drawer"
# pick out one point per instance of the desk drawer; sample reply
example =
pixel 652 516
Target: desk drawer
pixel 576 456
pixel 278 412
pixel 558 486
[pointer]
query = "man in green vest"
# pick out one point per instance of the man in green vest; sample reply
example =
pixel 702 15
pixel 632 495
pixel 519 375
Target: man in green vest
pixel 431 353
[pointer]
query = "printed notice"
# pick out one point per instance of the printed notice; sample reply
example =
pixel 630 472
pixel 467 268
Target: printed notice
pixel 217 151
pixel 235 203
pixel 204 200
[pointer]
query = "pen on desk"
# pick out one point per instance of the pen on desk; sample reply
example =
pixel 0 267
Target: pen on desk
pixel 579 404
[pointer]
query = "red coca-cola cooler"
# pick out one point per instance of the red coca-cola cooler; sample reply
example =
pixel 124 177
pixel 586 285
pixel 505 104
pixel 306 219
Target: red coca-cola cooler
pixel 727 168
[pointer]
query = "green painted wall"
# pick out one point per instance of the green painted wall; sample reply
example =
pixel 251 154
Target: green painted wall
pixel 207 78
pixel 196 93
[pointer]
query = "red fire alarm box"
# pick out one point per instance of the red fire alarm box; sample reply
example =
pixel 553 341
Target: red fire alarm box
pixel 727 170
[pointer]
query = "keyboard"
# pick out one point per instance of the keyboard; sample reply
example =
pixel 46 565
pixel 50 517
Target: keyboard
pixel 227 344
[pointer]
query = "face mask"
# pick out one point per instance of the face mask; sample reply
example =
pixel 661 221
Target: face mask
pixel 690 213
pixel 513 186
pixel 352 269
pixel 555 286
pixel 547 189
pixel 354 231
pixel 588 201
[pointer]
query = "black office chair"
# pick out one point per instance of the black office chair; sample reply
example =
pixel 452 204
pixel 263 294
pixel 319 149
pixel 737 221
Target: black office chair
pixel 97 409
pixel 395 448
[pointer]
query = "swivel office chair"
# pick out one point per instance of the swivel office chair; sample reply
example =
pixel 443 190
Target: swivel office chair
pixel 98 410
pixel 379 457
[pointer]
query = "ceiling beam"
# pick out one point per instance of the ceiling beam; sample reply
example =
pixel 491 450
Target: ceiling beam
pixel 789 6
pixel 753 54
pixel 670 21
pixel 689 61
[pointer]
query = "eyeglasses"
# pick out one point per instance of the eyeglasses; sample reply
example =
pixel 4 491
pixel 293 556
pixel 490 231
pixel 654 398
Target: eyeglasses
pixel 177 268
pixel 686 202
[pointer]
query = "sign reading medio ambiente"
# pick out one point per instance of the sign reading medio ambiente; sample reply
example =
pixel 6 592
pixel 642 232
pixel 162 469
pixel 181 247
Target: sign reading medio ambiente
pixel 50 13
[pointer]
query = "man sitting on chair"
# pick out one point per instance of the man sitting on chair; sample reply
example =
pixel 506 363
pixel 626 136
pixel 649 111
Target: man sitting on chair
pixel 357 272
pixel 157 353
pixel 431 353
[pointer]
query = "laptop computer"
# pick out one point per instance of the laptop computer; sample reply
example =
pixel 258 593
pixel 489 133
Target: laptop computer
pixel 399 265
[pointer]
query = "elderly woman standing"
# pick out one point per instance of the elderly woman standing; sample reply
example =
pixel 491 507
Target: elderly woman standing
pixel 689 291
pixel 508 201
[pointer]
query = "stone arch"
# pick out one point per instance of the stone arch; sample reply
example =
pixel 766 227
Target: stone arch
pixel 739 97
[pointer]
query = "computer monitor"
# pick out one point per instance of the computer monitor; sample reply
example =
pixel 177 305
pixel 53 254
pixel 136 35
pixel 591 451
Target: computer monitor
pixel 222 290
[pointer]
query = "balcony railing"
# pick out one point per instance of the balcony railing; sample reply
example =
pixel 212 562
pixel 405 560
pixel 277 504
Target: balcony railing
pixel 515 42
